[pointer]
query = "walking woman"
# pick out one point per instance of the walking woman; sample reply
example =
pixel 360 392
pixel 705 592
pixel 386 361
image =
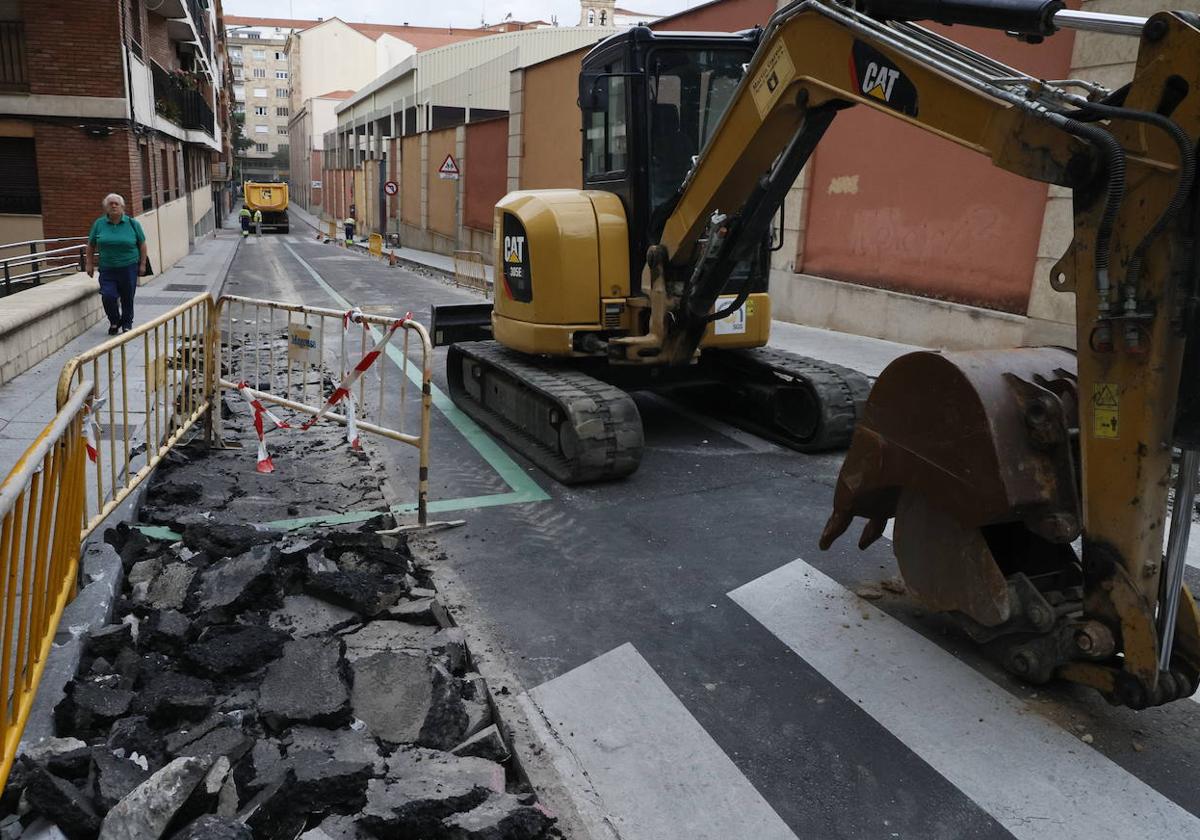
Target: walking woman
pixel 122 247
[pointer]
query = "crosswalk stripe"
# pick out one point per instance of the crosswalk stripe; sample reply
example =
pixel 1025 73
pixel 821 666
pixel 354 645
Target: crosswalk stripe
pixel 636 759
pixel 1034 778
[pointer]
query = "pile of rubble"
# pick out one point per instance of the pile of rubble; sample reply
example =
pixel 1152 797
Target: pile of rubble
pixel 265 685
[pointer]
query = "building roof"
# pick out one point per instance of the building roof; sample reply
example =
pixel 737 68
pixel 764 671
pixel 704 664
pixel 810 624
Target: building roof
pixel 421 37
pixel 336 94
pixel 278 23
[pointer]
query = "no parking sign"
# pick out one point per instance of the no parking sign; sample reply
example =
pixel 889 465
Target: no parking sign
pixel 391 188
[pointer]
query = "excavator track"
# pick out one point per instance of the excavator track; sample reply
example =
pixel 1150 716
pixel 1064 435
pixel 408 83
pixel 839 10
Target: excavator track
pixel 576 428
pixel 799 402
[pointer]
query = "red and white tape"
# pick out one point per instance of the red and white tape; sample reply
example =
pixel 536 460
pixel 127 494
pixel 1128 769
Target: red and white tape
pixel 91 428
pixel 265 465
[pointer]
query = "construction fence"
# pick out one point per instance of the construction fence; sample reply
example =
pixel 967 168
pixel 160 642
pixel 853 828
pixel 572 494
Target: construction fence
pixel 123 405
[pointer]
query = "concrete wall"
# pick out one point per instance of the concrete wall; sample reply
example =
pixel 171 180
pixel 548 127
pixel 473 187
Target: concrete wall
pixel 485 182
pixel 166 230
pixel 441 194
pixel 411 179
pixel 36 323
pixel 548 145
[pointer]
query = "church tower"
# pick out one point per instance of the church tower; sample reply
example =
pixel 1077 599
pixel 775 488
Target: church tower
pixel 597 12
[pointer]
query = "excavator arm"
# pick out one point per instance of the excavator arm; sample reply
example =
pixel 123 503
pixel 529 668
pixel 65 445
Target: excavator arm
pixel 994 463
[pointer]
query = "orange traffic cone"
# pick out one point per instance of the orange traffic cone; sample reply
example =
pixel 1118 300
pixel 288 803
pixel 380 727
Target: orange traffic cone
pixel 391 257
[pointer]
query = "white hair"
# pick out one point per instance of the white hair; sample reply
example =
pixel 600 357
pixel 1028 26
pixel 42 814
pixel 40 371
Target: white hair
pixel 110 197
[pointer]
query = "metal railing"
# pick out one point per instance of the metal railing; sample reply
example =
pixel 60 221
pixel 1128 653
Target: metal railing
pixel 23 271
pixel 200 20
pixel 14 66
pixel 41 504
pixel 139 424
pixel 470 272
pixel 184 107
pixel 286 349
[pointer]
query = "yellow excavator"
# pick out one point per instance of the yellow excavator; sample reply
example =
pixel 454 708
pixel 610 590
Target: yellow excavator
pixel 1030 487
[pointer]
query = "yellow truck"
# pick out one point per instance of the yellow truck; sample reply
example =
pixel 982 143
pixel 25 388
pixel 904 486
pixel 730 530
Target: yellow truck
pixel 271 199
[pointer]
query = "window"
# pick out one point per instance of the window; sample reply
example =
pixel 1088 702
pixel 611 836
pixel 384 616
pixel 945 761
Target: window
pixel 250 35
pixel 259 55
pixel 280 56
pixel 604 147
pixel 260 73
pixel 282 93
pixel 260 147
pixel 19 191
pixel 261 129
pixel 260 110
pixel 282 129
pixel 237 74
pixel 281 74
pixel 147 188
pixel 281 112
pixel 235 53
pixel 239 93
pixel 591 17
pixel 135 26
pixel 603 17
pixel 164 177
pixel 261 92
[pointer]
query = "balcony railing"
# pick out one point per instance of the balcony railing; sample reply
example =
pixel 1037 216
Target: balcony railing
pixel 182 106
pixel 14 69
pixel 197 9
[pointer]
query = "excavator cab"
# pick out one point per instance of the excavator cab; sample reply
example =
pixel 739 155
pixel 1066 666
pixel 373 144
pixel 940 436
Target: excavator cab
pixel 650 101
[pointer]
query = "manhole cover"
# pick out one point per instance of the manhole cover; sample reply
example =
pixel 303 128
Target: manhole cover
pixel 184 287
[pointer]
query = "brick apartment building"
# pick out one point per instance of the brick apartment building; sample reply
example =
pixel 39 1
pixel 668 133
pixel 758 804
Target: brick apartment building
pixel 112 97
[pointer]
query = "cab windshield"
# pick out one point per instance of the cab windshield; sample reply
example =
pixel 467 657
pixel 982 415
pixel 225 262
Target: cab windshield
pixel 689 91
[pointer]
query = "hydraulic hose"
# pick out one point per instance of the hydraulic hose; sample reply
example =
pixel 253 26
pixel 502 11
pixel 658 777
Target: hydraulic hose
pixel 1183 189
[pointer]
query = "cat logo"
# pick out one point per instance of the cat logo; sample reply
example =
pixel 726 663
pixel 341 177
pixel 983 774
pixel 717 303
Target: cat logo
pixel 514 249
pixel 873 74
pixel 878 81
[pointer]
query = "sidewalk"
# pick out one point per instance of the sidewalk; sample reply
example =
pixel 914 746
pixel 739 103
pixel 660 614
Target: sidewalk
pixel 27 402
pixel 863 353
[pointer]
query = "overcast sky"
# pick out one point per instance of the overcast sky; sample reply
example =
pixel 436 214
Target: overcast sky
pixel 439 12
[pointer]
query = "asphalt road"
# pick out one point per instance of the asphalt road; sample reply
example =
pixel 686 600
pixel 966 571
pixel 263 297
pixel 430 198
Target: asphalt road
pixel 703 670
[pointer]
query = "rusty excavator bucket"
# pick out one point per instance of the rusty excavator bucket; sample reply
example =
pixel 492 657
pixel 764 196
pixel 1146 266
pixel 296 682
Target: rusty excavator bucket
pixel 974 455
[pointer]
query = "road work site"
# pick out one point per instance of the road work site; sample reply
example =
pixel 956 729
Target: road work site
pixel 375 544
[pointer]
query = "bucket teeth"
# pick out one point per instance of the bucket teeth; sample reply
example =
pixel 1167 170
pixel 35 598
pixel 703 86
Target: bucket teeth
pixel 838 522
pixel 872 531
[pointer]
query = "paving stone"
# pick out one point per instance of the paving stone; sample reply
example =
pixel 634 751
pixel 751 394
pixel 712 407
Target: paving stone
pixel 225 540
pixel 169 590
pixel 343 744
pixel 324 783
pixel 487 743
pixel 447 724
pixel 166 631
pixel 147 811
pixel 235 649
pixel 60 801
pixel 110 640
pixel 114 777
pixel 389 637
pixel 392 694
pixel 212 827
pixel 169 697
pixel 304 615
pixel 366 593
pixel 306 685
pixel 501 816
pixel 238 582
pixel 90 708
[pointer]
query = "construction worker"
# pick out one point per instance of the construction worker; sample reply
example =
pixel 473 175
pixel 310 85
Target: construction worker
pixel 258 223
pixel 244 218
pixel 349 227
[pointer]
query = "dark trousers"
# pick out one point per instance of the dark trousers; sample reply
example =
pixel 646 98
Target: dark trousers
pixel 117 287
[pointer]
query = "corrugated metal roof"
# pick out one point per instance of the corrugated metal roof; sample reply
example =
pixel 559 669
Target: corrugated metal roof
pixel 470 74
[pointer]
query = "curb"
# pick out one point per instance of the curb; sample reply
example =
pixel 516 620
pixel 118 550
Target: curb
pixel 409 263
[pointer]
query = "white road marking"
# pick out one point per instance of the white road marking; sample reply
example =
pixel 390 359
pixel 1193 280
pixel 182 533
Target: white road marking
pixel 636 762
pixel 1035 779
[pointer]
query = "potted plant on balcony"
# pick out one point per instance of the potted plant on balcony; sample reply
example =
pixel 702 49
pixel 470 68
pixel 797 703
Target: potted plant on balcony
pixel 184 79
pixel 168 109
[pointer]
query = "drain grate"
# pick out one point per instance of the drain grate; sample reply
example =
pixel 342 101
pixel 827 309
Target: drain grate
pixel 158 300
pixel 113 432
pixel 184 287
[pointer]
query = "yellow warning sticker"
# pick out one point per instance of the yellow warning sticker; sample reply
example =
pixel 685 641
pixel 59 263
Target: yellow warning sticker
pixel 1106 410
pixel 772 77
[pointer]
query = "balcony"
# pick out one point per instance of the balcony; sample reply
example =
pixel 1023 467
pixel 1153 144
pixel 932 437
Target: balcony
pixel 176 101
pixel 14 69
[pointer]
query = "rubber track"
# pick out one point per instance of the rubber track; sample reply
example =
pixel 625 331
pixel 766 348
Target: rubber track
pixel 840 391
pixel 605 419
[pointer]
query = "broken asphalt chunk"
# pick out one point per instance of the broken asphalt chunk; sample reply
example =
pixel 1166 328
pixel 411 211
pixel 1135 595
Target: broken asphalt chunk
pixel 306 685
pixel 235 649
pixel 211 827
pixel 148 809
pixel 114 777
pixel 392 694
pixel 238 582
pixel 60 801
pixel 501 816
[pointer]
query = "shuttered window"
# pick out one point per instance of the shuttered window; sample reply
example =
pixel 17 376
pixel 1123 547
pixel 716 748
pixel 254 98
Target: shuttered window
pixel 19 192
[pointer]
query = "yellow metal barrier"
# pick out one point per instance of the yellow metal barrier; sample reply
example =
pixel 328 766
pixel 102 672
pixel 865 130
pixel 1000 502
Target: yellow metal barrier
pixel 375 245
pixel 470 272
pixel 41 506
pixel 173 353
pixel 283 350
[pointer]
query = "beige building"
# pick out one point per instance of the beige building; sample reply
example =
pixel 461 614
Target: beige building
pixel 262 88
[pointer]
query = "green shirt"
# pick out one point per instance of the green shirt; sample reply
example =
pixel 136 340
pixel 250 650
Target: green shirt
pixel 118 243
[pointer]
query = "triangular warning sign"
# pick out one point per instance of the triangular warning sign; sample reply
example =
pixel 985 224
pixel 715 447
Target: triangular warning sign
pixel 1104 395
pixel 449 166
